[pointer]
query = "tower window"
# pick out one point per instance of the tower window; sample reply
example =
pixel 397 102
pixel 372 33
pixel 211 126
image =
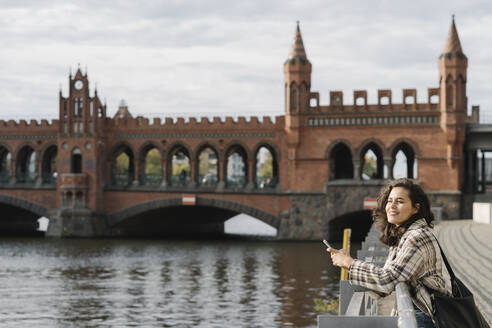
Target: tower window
pixel 77 107
pixel 76 161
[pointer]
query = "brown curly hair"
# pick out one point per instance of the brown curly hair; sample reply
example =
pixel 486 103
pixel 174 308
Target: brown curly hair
pixel 390 233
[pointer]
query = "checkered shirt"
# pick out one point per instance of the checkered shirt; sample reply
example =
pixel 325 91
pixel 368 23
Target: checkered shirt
pixel 416 260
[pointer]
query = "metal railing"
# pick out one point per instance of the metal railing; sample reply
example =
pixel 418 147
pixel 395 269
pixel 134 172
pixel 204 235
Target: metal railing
pixel 4 177
pixel 152 179
pixel 122 179
pixel 406 313
pixel 266 182
pixel 48 178
pixel 26 177
pixel 236 181
pixel 208 180
pixel 178 180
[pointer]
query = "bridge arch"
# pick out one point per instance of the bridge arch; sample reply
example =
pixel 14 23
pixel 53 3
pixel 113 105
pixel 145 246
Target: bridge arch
pixel 118 217
pixel 272 181
pixel 26 205
pixel 5 163
pixel 340 154
pixel 179 166
pixel 6 146
pixel 120 174
pixel 410 159
pixel 411 143
pixel 237 161
pixel 150 168
pixel 20 217
pixel 26 163
pixel 145 147
pixel 49 163
pixel 358 220
pixel 207 172
pixel 368 169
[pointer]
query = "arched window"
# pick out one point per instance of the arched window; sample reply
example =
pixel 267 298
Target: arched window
pixel 179 167
pixel 341 162
pixel 208 167
pixel 69 198
pixel 294 94
pixel 76 161
pixel 449 95
pixel 266 168
pixel 26 165
pixel 79 199
pixel 405 164
pixel 371 162
pixel 5 163
pixel 48 166
pixel 236 168
pixel 152 167
pixel 122 166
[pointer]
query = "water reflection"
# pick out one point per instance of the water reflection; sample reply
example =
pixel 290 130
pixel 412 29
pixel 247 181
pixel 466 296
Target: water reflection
pixel 125 283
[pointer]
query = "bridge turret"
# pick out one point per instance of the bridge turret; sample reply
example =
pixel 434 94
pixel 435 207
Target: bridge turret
pixel 81 139
pixel 453 65
pixel 297 73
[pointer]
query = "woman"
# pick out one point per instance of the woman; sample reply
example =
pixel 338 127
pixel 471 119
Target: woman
pixel 404 217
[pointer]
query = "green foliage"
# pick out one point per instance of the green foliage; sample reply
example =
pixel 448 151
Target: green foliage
pixel 122 163
pixel 153 162
pixel 177 168
pixel 370 167
pixel 321 306
pixel 266 168
pixel 206 163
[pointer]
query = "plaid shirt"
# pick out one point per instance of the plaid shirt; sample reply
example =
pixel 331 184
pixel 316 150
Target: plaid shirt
pixel 416 260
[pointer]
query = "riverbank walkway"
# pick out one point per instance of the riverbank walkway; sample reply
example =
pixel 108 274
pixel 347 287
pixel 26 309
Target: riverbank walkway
pixel 468 247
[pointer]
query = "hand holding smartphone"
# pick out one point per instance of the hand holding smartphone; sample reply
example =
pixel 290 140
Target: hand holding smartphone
pixel 327 244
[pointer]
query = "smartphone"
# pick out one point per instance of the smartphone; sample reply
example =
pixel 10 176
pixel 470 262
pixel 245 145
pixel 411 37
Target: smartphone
pixel 326 243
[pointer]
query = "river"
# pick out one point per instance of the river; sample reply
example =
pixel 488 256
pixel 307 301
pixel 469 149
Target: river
pixel 162 283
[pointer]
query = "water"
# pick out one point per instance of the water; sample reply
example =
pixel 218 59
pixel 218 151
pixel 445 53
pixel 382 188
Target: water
pixel 157 283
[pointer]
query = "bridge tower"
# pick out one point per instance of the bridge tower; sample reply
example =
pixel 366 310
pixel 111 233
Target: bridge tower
pixel 81 140
pixel 453 65
pixel 297 78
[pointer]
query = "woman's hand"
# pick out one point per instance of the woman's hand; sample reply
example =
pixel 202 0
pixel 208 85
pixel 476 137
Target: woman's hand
pixel 340 258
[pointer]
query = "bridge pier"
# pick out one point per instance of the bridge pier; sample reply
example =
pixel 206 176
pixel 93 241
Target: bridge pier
pixel 75 222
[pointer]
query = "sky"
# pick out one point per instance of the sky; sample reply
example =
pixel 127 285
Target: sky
pixel 190 57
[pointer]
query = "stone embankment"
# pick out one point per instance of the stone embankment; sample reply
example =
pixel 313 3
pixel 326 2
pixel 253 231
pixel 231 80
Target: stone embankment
pixel 468 247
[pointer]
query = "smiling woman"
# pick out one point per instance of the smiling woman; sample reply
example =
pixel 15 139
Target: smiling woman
pixel 404 217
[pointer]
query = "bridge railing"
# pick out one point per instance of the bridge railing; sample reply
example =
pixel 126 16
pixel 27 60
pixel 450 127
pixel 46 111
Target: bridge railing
pixel 357 306
pixel 236 181
pixel 178 180
pixel 49 178
pixel 208 180
pixel 152 179
pixel 266 182
pixel 26 177
pixel 4 176
pixel 122 179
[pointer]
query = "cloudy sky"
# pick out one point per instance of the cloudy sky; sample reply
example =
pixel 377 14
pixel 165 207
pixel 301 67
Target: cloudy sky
pixel 193 56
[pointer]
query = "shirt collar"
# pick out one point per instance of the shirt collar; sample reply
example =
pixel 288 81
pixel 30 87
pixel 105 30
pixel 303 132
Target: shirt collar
pixel 420 223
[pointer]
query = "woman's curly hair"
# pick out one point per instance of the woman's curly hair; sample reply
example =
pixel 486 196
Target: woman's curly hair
pixel 390 233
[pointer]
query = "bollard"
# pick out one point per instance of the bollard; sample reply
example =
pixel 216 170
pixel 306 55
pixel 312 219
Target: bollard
pixel 345 246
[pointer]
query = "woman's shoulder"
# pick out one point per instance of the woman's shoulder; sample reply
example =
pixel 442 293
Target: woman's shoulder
pixel 419 232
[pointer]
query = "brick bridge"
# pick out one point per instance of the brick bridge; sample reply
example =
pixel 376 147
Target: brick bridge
pixel 306 172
